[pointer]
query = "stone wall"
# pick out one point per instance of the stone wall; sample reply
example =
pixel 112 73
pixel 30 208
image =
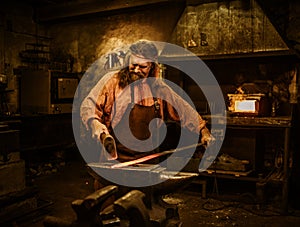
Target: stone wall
pixel 90 38
pixel 86 39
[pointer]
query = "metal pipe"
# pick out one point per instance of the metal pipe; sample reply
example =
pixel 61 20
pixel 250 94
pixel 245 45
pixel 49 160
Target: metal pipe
pixel 152 156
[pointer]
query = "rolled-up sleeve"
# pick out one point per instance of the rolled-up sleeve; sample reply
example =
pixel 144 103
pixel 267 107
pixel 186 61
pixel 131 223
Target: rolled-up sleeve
pixel 98 103
pixel 187 115
pixel 178 109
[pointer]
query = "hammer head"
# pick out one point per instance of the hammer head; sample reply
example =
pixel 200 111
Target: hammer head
pixel 109 145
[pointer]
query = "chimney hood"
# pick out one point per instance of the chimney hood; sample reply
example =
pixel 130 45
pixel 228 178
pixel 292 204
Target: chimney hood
pixel 227 29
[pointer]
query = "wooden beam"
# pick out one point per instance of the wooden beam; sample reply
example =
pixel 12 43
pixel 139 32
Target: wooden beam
pixel 59 11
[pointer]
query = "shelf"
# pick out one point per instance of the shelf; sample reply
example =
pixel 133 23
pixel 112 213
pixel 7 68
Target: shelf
pixel 255 123
pixel 234 175
pixel 37 45
pixel 187 56
pixel 281 121
pixel 35 51
pixel 227 172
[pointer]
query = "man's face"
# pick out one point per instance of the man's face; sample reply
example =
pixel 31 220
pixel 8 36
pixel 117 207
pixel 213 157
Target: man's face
pixel 139 67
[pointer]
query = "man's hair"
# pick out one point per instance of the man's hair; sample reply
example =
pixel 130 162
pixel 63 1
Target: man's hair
pixel 144 48
pixel 141 48
pixel 125 76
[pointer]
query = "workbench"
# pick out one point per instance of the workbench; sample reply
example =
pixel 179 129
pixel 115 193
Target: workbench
pixel 259 134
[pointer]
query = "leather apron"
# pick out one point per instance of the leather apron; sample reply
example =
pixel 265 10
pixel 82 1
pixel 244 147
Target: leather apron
pixel 139 118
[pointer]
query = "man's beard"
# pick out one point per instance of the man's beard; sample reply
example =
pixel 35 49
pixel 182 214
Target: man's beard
pixel 136 76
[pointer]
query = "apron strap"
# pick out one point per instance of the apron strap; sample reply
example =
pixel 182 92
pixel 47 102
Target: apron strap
pixel 155 100
pixel 132 95
pixel 156 107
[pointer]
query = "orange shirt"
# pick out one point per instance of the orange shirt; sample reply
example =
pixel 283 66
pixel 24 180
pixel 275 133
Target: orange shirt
pixel 100 103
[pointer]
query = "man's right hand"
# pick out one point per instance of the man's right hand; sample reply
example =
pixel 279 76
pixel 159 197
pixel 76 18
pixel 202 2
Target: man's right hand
pixel 97 129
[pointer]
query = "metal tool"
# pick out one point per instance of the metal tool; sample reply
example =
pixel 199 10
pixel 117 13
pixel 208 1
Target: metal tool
pixel 109 146
pixel 88 211
pixel 156 155
pixel 129 209
pixel 132 205
pixel 162 213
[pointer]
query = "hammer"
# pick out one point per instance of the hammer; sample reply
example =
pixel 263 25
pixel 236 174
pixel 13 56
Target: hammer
pixel 109 146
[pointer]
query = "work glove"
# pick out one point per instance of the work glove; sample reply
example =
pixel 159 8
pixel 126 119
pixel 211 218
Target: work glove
pixel 97 129
pixel 100 133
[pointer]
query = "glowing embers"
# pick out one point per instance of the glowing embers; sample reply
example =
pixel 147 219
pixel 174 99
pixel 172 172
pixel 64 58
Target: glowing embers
pixel 248 104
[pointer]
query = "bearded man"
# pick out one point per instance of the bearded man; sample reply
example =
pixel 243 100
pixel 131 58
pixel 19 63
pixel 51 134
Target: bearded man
pixel 124 104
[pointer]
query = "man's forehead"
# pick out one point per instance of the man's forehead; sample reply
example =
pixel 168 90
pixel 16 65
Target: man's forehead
pixel 139 59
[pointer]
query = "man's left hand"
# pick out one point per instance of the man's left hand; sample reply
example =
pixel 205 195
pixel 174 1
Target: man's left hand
pixel 206 137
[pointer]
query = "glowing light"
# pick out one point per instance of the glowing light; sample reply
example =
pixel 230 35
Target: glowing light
pixel 245 106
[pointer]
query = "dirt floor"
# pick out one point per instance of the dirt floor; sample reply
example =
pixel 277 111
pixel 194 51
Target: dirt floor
pixel 71 182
